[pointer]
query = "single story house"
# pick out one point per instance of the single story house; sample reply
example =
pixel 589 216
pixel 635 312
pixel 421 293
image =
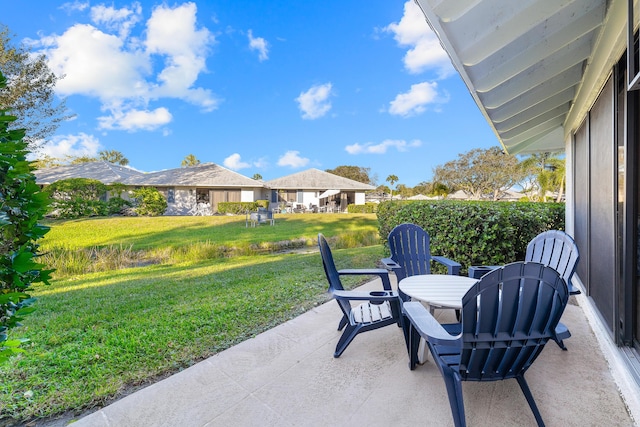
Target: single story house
pixel 564 76
pixel 197 190
pixel 314 187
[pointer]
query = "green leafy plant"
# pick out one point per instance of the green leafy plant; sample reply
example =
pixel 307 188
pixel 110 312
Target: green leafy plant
pixel 22 205
pixel 474 233
pixel 149 201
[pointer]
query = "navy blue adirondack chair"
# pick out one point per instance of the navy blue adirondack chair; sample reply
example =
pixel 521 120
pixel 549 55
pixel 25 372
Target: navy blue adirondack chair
pixel 411 253
pixel 507 318
pixel 370 309
pixel 556 249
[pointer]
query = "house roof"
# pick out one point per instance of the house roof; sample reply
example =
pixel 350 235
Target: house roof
pixel 315 179
pixel 525 61
pixel 105 172
pixel 203 175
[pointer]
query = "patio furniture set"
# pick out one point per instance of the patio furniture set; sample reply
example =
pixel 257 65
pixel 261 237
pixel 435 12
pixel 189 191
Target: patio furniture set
pixel 505 314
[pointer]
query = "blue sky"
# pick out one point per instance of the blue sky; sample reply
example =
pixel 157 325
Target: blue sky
pixel 260 87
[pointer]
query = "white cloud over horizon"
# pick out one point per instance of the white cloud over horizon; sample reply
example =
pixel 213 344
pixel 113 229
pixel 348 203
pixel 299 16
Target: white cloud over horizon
pixel 79 145
pixel 234 162
pixel 102 60
pixel 424 51
pixel 293 160
pixel 314 103
pixel 416 99
pixel 383 147
pixel 259 44
pixel 136 119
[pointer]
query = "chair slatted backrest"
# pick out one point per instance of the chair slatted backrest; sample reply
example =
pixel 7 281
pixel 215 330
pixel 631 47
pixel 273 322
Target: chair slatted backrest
pixel 410 248
pixel 507 318
pixel 557 250
pixel 332 272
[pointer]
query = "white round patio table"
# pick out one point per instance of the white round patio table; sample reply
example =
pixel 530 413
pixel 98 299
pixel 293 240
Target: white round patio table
pixel 437 291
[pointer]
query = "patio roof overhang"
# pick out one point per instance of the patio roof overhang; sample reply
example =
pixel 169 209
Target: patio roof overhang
pixel 525 62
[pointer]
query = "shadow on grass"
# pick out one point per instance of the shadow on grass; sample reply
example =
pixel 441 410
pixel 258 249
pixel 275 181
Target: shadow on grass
pixel 97 337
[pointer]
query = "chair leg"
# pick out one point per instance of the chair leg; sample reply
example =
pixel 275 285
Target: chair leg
pixel 343 322
pixel 559 342
pixel 532 403
pixel 412 336
pixel 348 335
pixel 454 391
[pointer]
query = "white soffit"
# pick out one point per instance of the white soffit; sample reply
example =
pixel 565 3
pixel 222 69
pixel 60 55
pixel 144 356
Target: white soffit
pixel 523 61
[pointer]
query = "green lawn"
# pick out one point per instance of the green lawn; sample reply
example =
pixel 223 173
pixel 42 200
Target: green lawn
pixel 95 337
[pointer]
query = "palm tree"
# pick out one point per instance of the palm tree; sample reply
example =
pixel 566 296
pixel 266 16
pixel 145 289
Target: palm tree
pixel 548 173
pixel 113 156
pixel 392 179
pixel 190 160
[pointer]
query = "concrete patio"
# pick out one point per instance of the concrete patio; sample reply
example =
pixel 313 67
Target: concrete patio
pixel 287 376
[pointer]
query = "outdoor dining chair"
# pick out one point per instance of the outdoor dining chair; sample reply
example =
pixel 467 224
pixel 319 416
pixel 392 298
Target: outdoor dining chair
pixel 362 310
pixel 507 318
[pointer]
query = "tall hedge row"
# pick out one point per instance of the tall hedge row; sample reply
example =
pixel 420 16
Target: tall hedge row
pixel 474 233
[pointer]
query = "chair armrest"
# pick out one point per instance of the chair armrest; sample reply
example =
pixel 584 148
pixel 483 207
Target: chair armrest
pixel 389 263
pixel 380 272
pixel 373 296
pixel 426 325
pixel 453 267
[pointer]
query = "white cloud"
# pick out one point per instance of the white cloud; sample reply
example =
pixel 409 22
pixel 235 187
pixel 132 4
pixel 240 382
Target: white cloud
pixel 96 64
pixel 292 159
pixel 259 44
pixel 73 6
pixel 371 148
pixel 121 20
pixel 79 145
pixel 414 102
pixel 424 51
pixel 173 33
pixel 134 120
pixel 314 102
pixel 234 162
pixel 127 73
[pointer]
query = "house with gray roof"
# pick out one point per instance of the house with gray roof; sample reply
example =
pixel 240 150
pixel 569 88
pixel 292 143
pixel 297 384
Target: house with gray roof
pixel 197 190
pixel 105 172
pixel 314 187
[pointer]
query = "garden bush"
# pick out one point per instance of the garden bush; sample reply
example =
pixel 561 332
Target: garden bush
pixel 84 197
pixel 237 208
pixel 366 208
pixel 474 233
pixel 149 202
pixel 22 205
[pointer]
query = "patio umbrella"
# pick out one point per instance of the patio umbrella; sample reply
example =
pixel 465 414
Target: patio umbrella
pixel 328 193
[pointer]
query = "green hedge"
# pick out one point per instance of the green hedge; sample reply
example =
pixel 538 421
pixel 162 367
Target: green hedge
pixel 366 208
pixel 237 208
pixel 474 233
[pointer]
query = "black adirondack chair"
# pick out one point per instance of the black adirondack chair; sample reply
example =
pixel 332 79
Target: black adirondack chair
pixel 556 249
pixel 507 318
pixel 370 310
pixel 411 253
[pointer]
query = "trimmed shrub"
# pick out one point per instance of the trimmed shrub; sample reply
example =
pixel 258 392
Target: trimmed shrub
pixel 474 233
pixel 237 208
pixel 366 208
pixel 149 202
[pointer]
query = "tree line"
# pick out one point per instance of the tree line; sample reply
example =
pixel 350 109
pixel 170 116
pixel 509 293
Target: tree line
pixel 482 174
